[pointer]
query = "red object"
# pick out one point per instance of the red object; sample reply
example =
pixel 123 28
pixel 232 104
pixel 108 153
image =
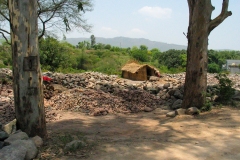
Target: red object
pixel 46 78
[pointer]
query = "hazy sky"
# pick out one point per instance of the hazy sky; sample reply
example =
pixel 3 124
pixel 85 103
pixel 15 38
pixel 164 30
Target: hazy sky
pixel 158 20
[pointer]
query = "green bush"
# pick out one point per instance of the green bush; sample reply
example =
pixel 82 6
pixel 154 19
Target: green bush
pixel 140 55
pixel 213 68
pixel 225 87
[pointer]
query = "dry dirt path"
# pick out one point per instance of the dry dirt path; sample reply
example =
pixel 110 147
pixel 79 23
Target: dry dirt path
pixel 153 136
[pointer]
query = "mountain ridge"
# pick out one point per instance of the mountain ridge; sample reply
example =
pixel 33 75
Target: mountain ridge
pixel 125 42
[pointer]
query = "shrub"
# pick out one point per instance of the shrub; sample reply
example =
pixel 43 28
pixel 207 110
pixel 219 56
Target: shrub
pixel 225 87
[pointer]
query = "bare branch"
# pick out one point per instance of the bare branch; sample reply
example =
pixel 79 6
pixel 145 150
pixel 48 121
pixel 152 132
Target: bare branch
pixel 44 22
pixel 5 38
pixel 4 16
pixel 5 31
pixel 221 17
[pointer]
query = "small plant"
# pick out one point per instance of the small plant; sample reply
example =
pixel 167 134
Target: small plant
pixel 66 138
pixel 208 104
pixel 225 88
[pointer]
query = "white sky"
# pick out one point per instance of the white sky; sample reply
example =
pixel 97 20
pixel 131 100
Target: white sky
pixel 158 20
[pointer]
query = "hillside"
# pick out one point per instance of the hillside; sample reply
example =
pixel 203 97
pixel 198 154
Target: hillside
pixel 125 42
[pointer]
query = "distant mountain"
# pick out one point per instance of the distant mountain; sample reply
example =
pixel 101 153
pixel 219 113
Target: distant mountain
pixel 125 42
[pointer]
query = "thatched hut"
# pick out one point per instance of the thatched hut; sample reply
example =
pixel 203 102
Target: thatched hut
pixel 138 72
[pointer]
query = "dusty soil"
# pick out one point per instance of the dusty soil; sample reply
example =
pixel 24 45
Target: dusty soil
pixel 149 136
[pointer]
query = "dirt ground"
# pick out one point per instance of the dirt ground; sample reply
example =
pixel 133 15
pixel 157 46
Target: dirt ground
pixel 212 135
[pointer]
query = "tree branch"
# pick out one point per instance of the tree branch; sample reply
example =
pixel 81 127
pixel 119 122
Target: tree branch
pixel 5 38
pixel 4 16
pixel 221 17
pixel 5 31
pixel 44 22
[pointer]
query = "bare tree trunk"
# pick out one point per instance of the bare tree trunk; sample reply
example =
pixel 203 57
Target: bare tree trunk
pixel 200 26
pixel 27 79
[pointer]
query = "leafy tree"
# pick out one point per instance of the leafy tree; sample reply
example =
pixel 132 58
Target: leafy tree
pixel 115 49
pixel 54 15
pixel 27 80
pixel 213 68
pixel 143 48
pixel 196 73
pixel 134 48
pixel 140 55
pixel 53 54
pixel 83 44
pixel 108 46
pixel 99 46
pixel 5 54
pixel 93 40
pixel 173 58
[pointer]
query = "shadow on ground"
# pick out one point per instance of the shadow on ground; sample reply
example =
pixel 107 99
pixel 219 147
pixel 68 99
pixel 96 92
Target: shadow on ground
pixel 153 136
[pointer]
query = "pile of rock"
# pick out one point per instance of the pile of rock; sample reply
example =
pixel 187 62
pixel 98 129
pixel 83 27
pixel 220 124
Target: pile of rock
pixel 99 94
pixel 16 144
pixel 7 110
pixel 98 102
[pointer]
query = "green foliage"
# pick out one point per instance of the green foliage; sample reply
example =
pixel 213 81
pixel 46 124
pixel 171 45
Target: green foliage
pixel 64 57
pixel 225 87
pixel 83 45
pixel 213 68
pixel 207 106
pixel 108 46
pixel 217 58
pixel 140 56
pixel 54 16
pixel 115 49
pixel 5 55
pixel 174 60
pixel 143 48
pixel 66 138
pixel 54 54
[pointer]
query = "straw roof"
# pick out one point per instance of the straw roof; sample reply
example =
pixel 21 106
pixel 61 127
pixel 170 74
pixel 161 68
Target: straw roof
pixel 134 67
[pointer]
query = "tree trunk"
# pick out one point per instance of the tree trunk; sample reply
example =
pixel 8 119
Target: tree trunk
pixel 200 26
pixel 27 79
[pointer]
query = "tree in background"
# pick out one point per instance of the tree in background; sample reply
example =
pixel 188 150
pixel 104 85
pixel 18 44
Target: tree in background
pixel 5 55
pixel 27 78
pixel 140 54
pixel 53 54
pixel 108 46
pixel 93 40
pixel 173 58
pixel 63 15
pixel 83 44
pixel 143 48
pixel 200 26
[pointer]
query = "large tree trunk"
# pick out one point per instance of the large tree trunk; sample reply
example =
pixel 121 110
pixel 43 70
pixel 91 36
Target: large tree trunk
pixel 200 26
pixel 27 79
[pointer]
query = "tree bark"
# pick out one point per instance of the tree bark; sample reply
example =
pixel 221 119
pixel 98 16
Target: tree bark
pixel 200 26
pixel 27 78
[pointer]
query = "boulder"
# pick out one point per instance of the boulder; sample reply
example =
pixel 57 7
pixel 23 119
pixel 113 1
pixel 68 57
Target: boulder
pixel 166 85
pixel 13 152
pixel 3 135
pixel 177 104
pixel 192 111
pixel 19 135
pixel 148 109
pixel 181 111
pixel 10 127
pixel 178 94
pixel 171 114
pixel 37 141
